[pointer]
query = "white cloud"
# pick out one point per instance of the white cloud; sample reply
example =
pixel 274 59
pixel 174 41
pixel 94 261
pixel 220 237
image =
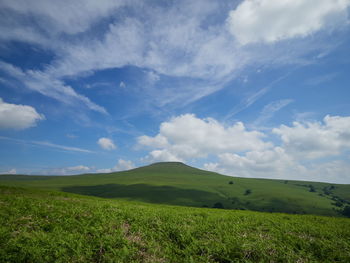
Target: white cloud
pixel 158 141
pixel 106 143
pixel 122 85
pixel 163 155
pixel 63 16
pixel 315 140
pixel 307 151
pixel 178 40
pixel 152 77
pixel 13 116
pixel 47 85
pixel 270 109
pixel 186 40
pixel 72 170
pixel 277 164
pixel 122 165
pixel 180 48
pixel 47 144
pixel 274 20
pixel 187 136
pixel 78 168
pixel 274 163
pixel 11 171
pixel 60 147
pixel 332 171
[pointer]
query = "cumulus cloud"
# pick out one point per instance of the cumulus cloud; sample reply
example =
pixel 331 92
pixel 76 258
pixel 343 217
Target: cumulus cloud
pixel 314 139
pixel 331 171
pixel 187 136
pixel 158 141
pixel 122 165
pixel 78 168
pixel 72 170
pixel 106 143
pixel 303 152
pixel 162 155
pixel 122 85
pixel 274 20
pixel 277 164
pixel 13 116
pixel 274 163
pixel 11 171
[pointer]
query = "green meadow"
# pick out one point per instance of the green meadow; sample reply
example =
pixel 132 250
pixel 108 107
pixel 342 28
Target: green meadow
pixel 171 212
pixel 49 226
pixel 178 184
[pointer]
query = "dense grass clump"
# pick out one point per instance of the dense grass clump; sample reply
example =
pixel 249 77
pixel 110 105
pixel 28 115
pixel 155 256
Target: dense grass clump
pixel 44 226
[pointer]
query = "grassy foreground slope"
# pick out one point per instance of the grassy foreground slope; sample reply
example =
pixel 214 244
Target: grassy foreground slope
pixel 43 226
pixel 179 184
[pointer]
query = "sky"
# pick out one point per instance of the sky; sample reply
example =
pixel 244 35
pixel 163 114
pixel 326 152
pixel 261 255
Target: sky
pixel 252 88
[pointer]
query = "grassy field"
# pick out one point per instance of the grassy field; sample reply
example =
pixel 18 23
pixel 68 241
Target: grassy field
pixel 48 226
pixel 179 184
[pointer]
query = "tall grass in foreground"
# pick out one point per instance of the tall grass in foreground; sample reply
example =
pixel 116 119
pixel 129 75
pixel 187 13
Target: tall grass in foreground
pixel 40 226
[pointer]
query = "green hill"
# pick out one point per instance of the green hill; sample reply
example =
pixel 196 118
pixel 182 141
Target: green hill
pixel 50 226
pixel 178 184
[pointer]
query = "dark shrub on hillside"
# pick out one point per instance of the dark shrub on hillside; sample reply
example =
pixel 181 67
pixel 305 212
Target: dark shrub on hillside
pixel 326 191
pixel 346 211
pixel 218 205
pixel 338 203
pixel 312 188
pixel 230 182
pixel 248 192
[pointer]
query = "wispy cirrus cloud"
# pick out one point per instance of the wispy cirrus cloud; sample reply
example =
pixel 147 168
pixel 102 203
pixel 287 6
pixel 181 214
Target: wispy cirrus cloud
pixel 250 99
pixel 48 86
pixel 47 144
pixel 203 54
pixel 270 109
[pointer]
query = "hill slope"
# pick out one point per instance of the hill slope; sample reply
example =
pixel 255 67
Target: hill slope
pixel 42 226
pixel 179 184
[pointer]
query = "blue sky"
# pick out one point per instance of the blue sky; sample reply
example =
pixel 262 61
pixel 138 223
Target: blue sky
pixel 252 88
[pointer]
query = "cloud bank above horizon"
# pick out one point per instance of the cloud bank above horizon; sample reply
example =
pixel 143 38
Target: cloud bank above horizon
pixel 244 153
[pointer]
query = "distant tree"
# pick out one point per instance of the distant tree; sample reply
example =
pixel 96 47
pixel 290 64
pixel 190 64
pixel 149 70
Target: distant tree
pixel 331 187
pixel 218 205
pixel 286 181
pixel 230 182
pixel 312 188
pixel 326 192
pixel 248 192
pixel 346 211
pixel 338 203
